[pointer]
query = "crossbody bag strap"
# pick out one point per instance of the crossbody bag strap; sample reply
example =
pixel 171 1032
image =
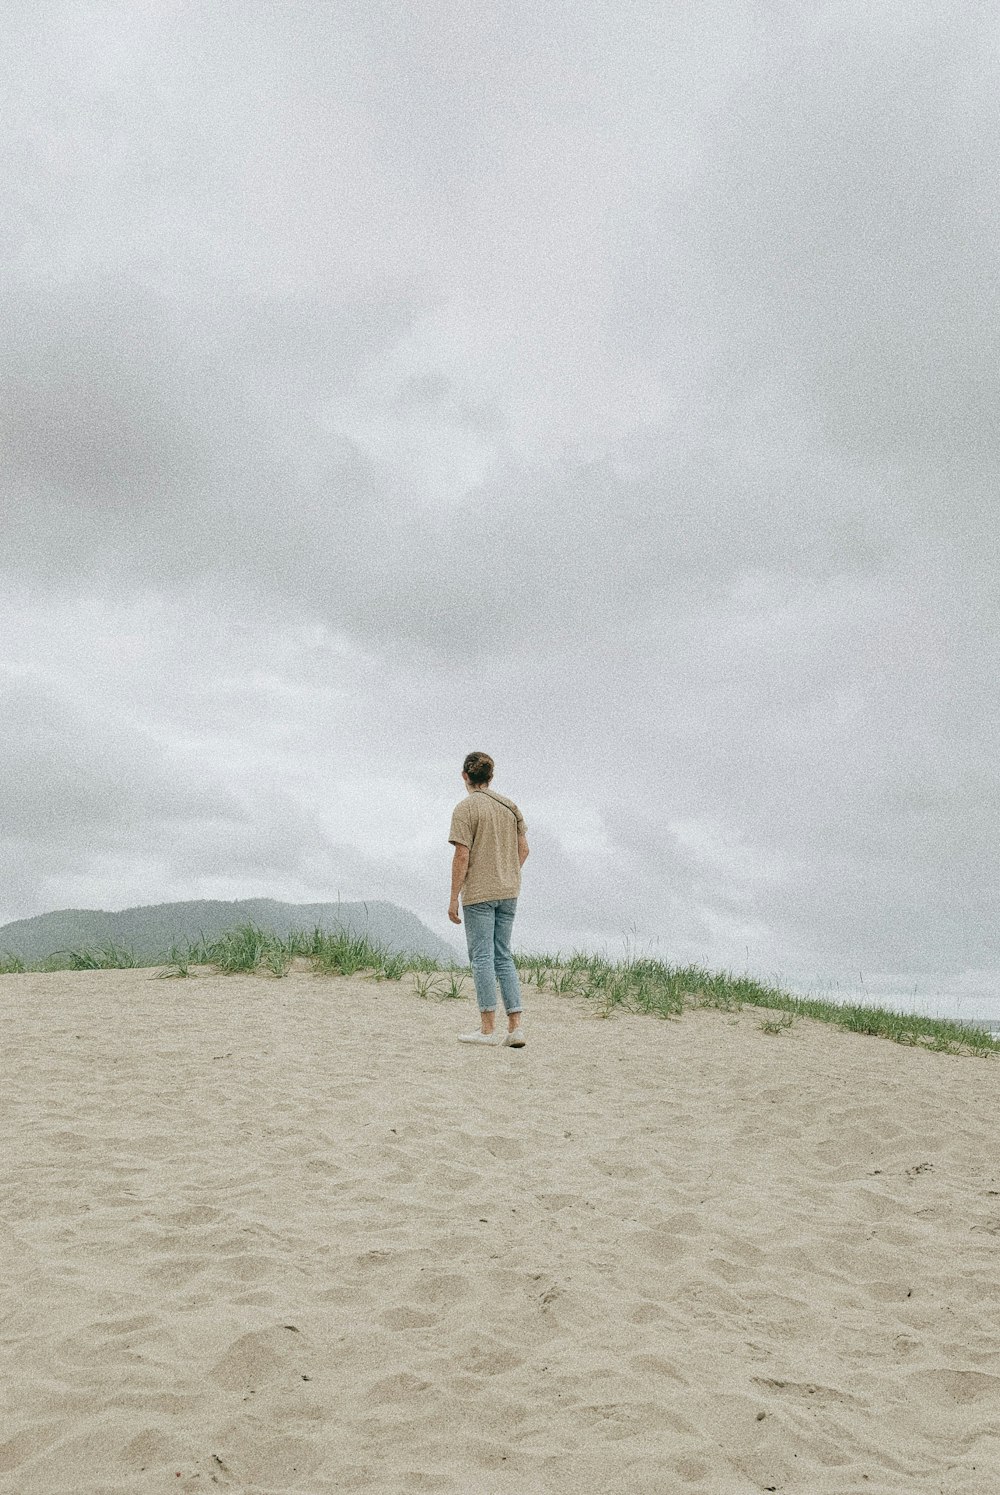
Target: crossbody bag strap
pixel 497 800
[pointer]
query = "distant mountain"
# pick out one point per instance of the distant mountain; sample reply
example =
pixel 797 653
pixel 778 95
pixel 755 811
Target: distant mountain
pixel 150 931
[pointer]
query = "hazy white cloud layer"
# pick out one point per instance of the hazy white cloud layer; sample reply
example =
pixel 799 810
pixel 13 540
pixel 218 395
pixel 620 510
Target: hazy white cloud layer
pixel 611 388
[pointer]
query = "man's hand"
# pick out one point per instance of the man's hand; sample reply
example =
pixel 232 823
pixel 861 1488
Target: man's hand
pixel 453 913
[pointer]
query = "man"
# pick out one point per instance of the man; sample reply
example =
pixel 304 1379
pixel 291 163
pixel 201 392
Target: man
pixel 487 832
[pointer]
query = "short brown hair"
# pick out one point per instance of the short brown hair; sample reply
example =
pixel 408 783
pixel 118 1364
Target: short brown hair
pixel 479 767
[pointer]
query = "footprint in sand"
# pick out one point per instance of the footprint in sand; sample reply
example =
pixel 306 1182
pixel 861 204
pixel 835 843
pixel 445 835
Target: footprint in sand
pixel 645 1313
pixel 490 1360
pixel 442 1289
pixel 961 1387
pixel 28 1443
pixel 260 1358
pixel 401 1387
pixel 503 1147
pixel 659 1246
pixel 406 1317
pixel 557 1202
pixel 179 1271
pixel 194 1215
pixel 455 1180
pixel 657 1366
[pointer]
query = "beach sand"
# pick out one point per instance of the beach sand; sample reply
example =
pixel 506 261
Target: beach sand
pixel 270 1235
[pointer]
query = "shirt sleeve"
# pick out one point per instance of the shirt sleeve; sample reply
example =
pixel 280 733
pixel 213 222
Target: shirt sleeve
pixel 461 831
pixel 520 822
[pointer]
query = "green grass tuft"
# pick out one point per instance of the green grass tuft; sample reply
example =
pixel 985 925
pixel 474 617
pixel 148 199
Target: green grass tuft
pixel 342 954
pixel 110 958
pixel 426 986
pixel 178 963
pixel 240 950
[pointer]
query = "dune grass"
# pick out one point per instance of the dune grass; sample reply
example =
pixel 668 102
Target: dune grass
pixel 109 958
pixel 666 991
pixel 337 953
pixel 630 985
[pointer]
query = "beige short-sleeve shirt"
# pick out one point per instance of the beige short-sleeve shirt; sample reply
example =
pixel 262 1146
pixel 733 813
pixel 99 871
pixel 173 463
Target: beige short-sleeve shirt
pixel 489 825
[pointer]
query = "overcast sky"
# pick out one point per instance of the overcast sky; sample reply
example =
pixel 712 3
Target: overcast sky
pixel 612 387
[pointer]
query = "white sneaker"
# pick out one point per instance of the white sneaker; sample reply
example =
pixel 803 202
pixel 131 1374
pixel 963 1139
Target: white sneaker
pixel 489 1038
pixel 515 1039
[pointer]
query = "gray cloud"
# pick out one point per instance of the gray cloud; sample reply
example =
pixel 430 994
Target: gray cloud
pixel 82 775
pixel 617 396
pixel 833 246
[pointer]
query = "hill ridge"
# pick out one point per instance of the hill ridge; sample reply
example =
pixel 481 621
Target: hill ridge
pixel 150 929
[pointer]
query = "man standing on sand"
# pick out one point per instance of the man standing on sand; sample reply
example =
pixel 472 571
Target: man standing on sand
pixel 487 832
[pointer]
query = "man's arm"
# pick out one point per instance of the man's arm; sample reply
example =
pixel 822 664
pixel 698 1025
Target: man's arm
pixel 522 848
pixel 459 867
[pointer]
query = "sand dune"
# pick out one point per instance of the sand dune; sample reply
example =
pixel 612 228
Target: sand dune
pixel 265 1236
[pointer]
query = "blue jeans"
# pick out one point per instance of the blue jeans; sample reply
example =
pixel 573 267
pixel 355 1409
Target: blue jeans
pixel 487 933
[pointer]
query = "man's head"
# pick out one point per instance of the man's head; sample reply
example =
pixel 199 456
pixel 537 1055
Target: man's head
pixel 477 770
